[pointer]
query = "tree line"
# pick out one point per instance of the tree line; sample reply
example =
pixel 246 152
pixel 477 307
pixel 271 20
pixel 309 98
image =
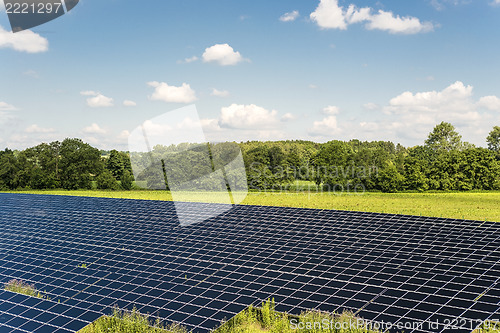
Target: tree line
pixel 443 162
pixel 70 164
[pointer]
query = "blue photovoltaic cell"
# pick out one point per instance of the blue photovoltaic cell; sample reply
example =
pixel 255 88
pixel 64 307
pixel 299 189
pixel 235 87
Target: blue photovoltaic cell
pixel 88 255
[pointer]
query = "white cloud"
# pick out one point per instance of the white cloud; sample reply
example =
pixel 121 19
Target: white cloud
pixel 210 125
pixel 371 106
pixel 129 103
pixel 313 86
pixel 172 94
pixel 247 117
pixel 94 129
pixel 326 127
pixel 222 54
pixel 331 110
pixel 188 60
pixel 288 117
pixel 23 41
pixel 37 129
pixel 454 98
pixel 409 117
pixel 386 21
pixel 99 101
pixel 20 140
pixel 5 114
pixel 215 133
pixel 490 102
pixel 329 15
pixel 219 93
pixel 6 107
pixel 496 2
pixel 123 135
pixel 289 17
pixel 156 129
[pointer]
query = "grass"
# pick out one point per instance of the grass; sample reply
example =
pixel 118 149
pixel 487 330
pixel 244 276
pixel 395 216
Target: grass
pixel 21 287
pixel 457 205
pixel 129 322
pixel 253 320
pixel 266 319
pixel 489 327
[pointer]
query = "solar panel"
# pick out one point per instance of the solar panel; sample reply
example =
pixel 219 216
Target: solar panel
pixel 90 254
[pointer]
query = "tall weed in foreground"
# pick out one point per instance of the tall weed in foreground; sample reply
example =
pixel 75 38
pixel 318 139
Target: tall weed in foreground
pixel 122 321
pixel 21 287
pixel 267 320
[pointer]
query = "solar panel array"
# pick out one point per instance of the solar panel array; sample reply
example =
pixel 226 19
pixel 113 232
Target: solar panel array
pixel 89 254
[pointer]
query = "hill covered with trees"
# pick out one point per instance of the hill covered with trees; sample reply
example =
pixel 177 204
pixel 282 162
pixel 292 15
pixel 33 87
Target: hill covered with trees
pixel 443 162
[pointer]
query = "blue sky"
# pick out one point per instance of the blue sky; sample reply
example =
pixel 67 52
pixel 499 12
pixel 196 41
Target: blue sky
pixel 315 70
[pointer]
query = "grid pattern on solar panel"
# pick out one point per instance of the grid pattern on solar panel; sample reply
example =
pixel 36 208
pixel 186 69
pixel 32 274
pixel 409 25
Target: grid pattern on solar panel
pixel 385 268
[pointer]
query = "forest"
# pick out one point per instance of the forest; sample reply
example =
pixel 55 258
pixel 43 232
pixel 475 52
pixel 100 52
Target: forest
pixel 442 163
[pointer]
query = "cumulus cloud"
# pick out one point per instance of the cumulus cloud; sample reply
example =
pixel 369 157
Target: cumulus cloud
pixel 23 41
pixel 454 98
pixel 289 17
pixel 172 94
pixel 37 129
pixel 288 117
pixel 219 93
pixel 123 135
pixel 6 107
pixel 330 15
pixel 222 54
pixel 5 114
pixel 386 21
pixel 129 103
pixel 490 102
pixel 247 117
pixel 371 106
pixel 94 129
pixel 410 116
pixel 326 127
pixel 99 101
pixel 331 110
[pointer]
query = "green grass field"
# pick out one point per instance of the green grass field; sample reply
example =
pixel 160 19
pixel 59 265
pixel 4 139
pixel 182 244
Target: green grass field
pixel 464 205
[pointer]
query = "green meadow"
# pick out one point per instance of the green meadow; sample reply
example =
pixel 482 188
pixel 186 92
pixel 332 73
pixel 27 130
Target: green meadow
pixel 456 205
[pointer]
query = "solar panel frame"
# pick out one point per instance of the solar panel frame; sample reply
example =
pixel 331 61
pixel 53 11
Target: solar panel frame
pixel 380 266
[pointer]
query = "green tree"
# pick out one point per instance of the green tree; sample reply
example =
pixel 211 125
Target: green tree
pixel 126 180
pixel 42 165
pixel 333 163
pixel 9 169
pixel 480 168
pixel 493 139
pixel 115 164
pixel 444 137
pixel 389 179
pixel 79 163
pixel 106 181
